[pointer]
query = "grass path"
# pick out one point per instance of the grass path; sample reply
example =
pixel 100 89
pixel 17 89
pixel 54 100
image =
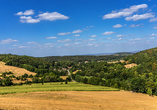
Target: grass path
pixel 57 86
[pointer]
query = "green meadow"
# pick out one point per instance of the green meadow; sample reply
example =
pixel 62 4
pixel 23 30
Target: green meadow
pixel 57 86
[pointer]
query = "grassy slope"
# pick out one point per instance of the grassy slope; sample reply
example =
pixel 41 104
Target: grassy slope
pixel 16 70
pixel 71 86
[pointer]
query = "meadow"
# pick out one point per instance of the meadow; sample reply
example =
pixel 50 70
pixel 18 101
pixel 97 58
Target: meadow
pixel 56 86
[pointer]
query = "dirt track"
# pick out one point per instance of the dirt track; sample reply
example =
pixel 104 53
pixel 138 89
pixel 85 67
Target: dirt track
pixel 78 100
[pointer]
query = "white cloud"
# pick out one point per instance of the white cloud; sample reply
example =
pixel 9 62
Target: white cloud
pixel 77 35
pixel 124 24
pixel 152 38
pixel 7 41
pixel 28 19
pixel 133 25
pixel 108 33
pixel 22 46
pixel 153 34
pixel 50 44
pixel 52 16
pixel 27 12
pixel 140 17
pixel 108 38
pixel 153 19
pixel 66 44
pixel 65 40
pixel 64 33
pixel 120 35
pixel 155 27
pixel 93 35
pixel 120 39
pixel 32 43
pixel 117 26
pixel 125 12
pixel 136 39
pixel 51 37
pixel 77 31
pixel 91 39
pixel 76 43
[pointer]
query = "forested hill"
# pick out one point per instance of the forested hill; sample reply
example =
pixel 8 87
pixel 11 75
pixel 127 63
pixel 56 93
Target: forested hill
pixel 147 60
pixel 83 58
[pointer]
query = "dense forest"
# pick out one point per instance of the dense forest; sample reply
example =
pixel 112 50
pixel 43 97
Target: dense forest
pixel 142 78
pixel 83 58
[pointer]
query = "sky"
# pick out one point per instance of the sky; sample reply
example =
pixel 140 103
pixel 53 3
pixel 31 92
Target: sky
pixel 76 27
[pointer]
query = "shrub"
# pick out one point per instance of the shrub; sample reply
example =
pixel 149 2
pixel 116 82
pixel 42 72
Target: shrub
pixel 149 91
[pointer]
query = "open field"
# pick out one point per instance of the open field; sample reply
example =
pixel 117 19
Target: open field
pixel 130 65
pixel 63 77
pixel 78 100
pixel 71 86
pixel 17 71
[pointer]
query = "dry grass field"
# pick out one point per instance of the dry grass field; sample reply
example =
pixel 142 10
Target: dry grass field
pixel 130 65
pixel 78 100
pixel 17 71
pixel 63 77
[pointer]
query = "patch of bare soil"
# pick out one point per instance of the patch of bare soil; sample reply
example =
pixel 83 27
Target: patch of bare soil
pixel 17 71
pixel 78 100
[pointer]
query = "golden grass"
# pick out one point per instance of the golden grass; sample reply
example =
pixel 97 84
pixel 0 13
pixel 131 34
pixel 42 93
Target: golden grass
pixel 76 71
pixel 17 71
pixel 63 77
pixel 130 65
pixel 116 61
pixel 78 100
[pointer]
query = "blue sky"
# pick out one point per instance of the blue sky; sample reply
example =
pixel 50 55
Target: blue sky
pixel 76 27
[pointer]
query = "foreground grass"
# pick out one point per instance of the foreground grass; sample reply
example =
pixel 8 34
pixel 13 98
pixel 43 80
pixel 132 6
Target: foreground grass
pixel 71 86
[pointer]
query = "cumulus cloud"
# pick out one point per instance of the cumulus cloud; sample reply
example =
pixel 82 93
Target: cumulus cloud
pixel 136 39
pixel 64 33
pixel 120 35
pixel 91 39
pixel 66 44
pixel 52 16
pixel 108 33
pixel 65 40
pixel 140 17
pixel 153 19
pixel 7 41
pixel 51 37
pixel 43 16
pixel 77 31
pixel 137 25
pixel 120 39
pixel 153 34
pixel 117 26
pixel 93 35
pixel 27 12
pixel 32 43
pixel 28 19
pixel 22 46
pixel 77 35
pixel 125 12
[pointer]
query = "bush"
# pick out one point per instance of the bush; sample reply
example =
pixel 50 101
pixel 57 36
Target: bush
pixel 149 91
pixel 7 82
